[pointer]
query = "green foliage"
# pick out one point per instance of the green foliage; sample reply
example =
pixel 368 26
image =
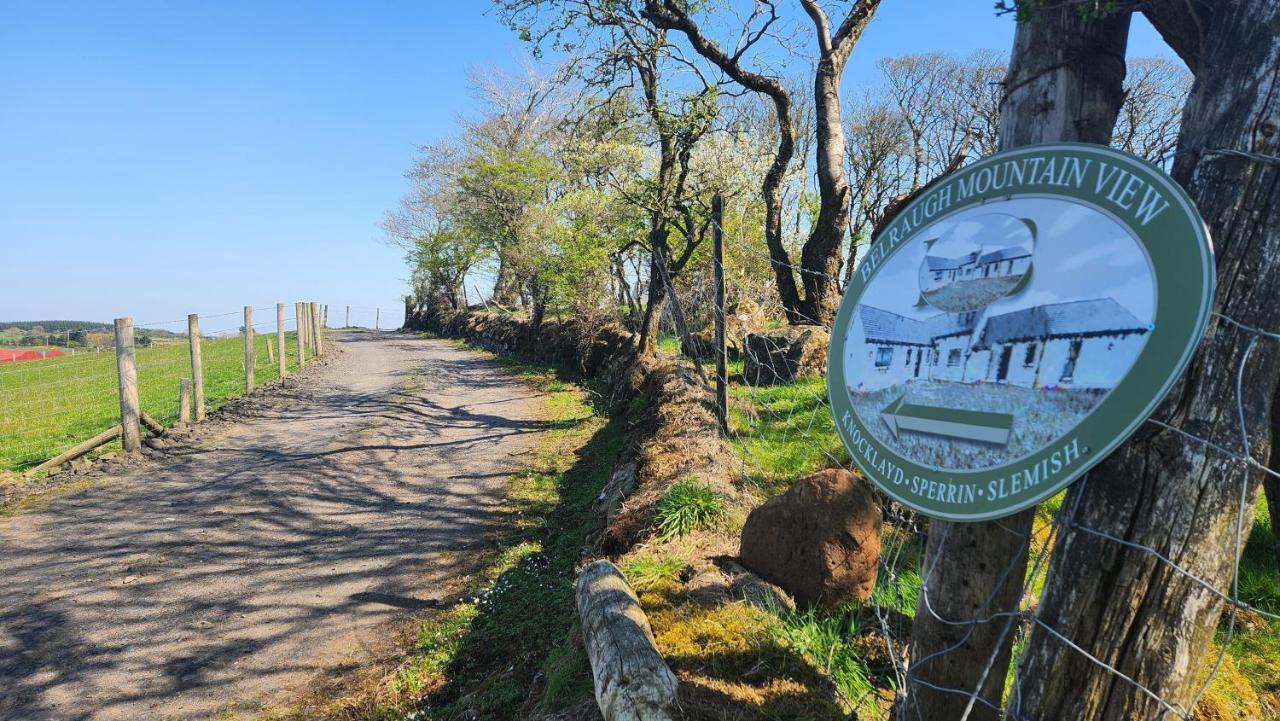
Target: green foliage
pixel 791 433
pixel 567 674
pixel 648 571
pixel 688 506
pixel 827 641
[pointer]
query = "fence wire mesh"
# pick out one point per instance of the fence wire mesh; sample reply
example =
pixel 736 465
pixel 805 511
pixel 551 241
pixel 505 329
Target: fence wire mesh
pixel 67 392
pixel 783 429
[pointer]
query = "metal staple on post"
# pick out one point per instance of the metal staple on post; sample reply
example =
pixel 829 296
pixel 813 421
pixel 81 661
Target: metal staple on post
pixel 127 383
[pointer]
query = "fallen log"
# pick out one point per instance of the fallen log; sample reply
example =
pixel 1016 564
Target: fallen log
pixel 152 424
pixel 632 682
pixel 76 451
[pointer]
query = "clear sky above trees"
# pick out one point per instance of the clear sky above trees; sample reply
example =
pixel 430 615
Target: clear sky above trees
pixel 170 144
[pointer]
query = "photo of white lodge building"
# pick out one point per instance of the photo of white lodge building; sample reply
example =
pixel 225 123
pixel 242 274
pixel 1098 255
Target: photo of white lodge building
pixel 1083 344
pixel 1011 261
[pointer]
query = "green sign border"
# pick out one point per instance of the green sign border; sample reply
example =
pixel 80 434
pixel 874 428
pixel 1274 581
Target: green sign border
pixel 1178 246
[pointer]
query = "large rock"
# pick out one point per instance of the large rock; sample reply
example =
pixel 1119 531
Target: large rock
pixel 819 541
pixel 781 356
pixel 740 320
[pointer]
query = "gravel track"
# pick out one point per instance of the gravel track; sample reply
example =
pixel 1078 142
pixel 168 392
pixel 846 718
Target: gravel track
pixel 230 572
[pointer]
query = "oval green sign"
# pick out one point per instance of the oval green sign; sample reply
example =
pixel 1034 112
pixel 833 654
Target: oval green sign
pixel 1014 324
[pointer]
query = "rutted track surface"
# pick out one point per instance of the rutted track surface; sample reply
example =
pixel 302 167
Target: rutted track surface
pixel 232 571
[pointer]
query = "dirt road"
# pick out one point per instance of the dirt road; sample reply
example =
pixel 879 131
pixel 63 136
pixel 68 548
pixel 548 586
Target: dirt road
pixel 231 572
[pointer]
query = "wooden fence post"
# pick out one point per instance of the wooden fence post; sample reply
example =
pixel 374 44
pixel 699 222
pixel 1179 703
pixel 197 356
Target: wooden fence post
pixel 248 349
pixel 197 365
pixel 317 330
pixel 271 350
pixel 184 401
pixel 347 324
pixel 377 318
pixel 283 358
pixel 717 254
pixel 299 318
pixel 127 377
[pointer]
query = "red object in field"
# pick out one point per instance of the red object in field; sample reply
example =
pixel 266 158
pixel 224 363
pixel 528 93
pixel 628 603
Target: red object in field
pixel 10 355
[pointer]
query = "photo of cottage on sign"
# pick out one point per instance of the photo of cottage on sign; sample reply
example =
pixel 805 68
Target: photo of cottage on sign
pixel 1000 314
pixel 992 382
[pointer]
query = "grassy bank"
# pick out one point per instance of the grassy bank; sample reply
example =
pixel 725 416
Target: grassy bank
pixel 51 405
pixel 783 432
pixel 508 646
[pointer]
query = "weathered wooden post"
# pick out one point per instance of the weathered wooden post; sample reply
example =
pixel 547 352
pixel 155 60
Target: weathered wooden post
pixel 1065 83
pixel 271 350
pixel 197 365
pixel 184 401
pixel 248 349
pixel 299 318
pixel 722 373
pixel 347 323
pixel 377 318
pixel 127 377
pixel 317 335
pixel 283 358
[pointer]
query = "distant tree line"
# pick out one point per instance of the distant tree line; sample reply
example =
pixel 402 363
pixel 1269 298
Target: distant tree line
pixel 72 334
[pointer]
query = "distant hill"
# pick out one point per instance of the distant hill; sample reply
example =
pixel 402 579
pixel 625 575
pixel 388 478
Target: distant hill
pixel 55 326
pixel 71 333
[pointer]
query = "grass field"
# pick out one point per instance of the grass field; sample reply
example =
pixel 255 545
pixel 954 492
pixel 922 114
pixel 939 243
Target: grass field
pixel 47 406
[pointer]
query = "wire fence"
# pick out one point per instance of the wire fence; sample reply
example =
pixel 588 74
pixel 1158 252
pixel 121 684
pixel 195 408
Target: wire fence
pixel 62 389
pixel 782 426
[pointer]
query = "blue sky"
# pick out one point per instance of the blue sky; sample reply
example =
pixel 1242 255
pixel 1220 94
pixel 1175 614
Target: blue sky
pixel 162 158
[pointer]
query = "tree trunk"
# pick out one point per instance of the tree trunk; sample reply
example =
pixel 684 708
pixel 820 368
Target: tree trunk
pixel 820 256
pixel 1124 606
pixel 504 284
pixel 648 341
pixel 1065 82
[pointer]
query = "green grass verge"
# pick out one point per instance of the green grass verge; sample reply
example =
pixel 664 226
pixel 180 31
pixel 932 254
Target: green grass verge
pixel 786 431
pixel 51 405
pixel 687 506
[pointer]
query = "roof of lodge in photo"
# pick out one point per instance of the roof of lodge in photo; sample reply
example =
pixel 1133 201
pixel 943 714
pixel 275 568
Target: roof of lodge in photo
pixel 1056 320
